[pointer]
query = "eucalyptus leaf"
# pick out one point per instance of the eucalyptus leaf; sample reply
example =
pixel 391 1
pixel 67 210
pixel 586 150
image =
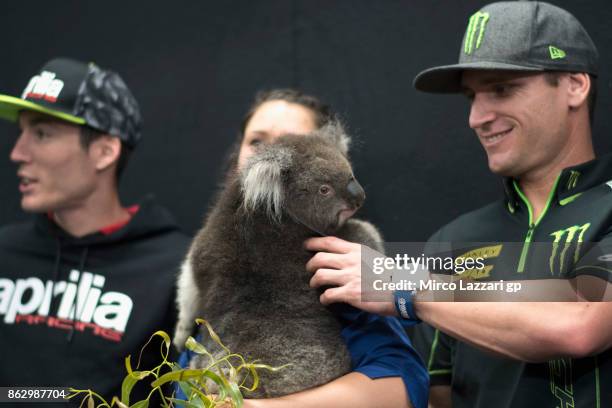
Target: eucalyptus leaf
pixel 183 403
pixel 121 404
pixel 141 404
pixel 195 383
pixel 129 382
pixel 185 387
pixel 193 345
pixel 179 375
pixel 166 343
pixel 213 335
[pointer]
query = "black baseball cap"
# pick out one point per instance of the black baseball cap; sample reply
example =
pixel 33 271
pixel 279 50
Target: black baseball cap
pixel 529 36
pixel 79 93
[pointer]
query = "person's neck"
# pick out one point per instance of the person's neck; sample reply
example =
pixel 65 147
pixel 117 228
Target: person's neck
pixel 101 209
pixel 536 185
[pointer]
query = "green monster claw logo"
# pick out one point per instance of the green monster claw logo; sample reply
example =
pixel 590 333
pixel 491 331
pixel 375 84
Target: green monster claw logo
pixel 556 53
pixel 478 22
pixel 569 234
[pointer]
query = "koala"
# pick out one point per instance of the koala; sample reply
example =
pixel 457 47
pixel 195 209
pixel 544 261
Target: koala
pixel 245 270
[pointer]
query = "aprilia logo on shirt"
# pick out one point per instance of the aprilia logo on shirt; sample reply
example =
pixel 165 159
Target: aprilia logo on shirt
pixel 83 306
pixel 43 86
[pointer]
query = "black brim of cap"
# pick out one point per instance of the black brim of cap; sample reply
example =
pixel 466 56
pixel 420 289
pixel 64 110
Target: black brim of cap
pixel 10 107
pixel 447 78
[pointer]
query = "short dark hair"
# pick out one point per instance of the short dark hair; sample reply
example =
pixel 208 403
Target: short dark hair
pixel 88 135
pixel 321 111
pixel 552 78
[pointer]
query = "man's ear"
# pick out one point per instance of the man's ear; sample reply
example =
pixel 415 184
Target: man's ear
pixel 105 151
pixel 579 85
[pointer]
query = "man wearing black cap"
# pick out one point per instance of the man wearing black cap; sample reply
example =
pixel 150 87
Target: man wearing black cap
pixel 528 69
pixel 87 281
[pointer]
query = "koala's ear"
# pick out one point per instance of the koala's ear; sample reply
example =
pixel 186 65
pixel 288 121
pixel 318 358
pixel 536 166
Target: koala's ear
pixel 262 180
pixel 334 131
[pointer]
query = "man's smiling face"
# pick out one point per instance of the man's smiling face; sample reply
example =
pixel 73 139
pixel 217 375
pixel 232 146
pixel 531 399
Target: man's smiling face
pixel 520 119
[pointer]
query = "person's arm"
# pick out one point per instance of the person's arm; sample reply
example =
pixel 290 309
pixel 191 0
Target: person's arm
pixel 382 358
pixel 534 331
pixel 440 396
pixel 353 390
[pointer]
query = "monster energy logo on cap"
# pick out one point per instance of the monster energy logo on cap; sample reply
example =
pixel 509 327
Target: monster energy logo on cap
pixel 478 22
pixel 525 36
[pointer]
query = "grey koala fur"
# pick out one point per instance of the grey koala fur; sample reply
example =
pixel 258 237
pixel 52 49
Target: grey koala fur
pixel 245 271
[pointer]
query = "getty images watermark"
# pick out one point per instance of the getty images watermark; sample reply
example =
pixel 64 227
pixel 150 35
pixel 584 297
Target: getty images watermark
pixel 489 271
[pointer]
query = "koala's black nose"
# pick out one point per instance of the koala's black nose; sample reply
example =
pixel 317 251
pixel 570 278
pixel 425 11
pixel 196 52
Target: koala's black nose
pixel 356 192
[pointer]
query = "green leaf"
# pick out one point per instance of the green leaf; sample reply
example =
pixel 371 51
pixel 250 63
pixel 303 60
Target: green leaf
pixel 195 383
pixel 119 403
pixel 213 335
pixel 192 345
pixel 128 364
pixel 179 375
pixel 89 398
pixel 253 367
pixel 235 394
pixel 185 387
pixel 201 403
pixel 166 343
pixel 165 336
pixel 255 376
pixel 126 388
pixel 128 383
pixel 141 404
pixel 183 403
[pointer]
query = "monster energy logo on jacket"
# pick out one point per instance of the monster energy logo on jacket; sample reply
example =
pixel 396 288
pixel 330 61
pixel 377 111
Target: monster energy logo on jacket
pixel 571 234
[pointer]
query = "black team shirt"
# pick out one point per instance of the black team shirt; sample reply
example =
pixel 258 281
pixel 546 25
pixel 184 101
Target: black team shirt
pixel 576 224
pixel 72 309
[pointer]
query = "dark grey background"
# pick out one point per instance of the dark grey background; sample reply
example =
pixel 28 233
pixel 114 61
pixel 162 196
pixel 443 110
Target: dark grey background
pixel 195 65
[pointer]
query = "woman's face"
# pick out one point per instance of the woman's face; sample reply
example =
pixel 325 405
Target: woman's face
pixel 271 120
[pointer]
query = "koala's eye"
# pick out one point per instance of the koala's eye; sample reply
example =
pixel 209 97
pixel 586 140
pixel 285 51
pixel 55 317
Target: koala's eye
pixel 325 190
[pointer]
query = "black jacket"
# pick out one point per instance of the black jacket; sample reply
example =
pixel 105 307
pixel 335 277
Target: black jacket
pixel 572 237
pixel 121 283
